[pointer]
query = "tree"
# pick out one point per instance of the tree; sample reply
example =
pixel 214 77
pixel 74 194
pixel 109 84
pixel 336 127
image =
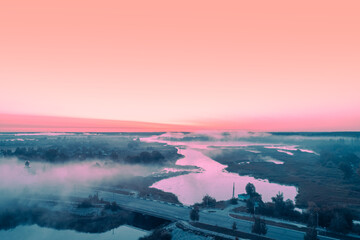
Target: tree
pixel 51 154
pixel 27 164
pixel 194 214
pixel 259 226
pixel 346 168
pixel 339 224
pixel 279 198
pixel 85 204
pixel 114 155
pixel 313 219
pixel 311 234
pixel 234 227
pixel 113 206
pixel 314 211
pixel 208 201
pixel 279 203
pixel 156 155
pixel 250 206
pixel 250 189
pixel 351 158
pixel 133 144
pixel 233 201
pixel 289 207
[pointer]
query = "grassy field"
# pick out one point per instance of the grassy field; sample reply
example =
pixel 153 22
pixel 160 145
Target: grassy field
pixel 324 185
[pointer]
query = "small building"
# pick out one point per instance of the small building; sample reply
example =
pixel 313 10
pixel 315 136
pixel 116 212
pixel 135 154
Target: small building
pixel 243 197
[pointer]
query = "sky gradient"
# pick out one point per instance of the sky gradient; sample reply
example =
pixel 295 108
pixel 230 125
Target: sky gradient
pixel 249 65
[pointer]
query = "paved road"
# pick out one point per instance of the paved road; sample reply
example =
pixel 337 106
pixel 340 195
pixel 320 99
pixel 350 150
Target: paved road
pixel 177 212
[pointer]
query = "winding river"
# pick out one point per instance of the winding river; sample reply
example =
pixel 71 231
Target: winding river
pixel 213 179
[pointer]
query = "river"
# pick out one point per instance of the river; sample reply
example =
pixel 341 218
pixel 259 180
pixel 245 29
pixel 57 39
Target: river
pixel 34 232
pixel 212 179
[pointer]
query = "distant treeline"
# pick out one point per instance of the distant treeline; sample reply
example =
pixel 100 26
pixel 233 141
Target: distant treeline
pixel 342 156
pixel 58 155
pixel 74 148
pixel 318 134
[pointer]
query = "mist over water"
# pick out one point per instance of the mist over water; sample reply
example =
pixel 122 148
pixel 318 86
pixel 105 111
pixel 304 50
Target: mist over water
pixel 215 181
pixel 210 177
pixel 213 178
pixel 61 179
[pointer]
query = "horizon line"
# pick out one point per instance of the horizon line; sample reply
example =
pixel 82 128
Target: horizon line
pixel 41 123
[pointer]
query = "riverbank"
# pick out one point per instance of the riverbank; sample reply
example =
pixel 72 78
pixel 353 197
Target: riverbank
pixel 213 180
pixel 85 215
pixel 316 183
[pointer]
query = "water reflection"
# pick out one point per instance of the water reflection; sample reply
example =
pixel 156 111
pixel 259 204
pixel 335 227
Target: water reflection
pixel 212 179
pixel 34 232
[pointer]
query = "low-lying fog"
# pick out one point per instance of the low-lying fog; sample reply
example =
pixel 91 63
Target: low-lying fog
pixel 199 148
pixel 62 179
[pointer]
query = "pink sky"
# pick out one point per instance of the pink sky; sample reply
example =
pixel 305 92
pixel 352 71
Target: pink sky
pixel 251 65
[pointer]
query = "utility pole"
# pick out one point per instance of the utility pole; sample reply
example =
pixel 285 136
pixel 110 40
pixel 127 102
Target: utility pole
pixel 233 190
pixel 317 221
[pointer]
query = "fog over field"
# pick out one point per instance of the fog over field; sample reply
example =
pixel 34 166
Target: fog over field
pixel 47 178
pixel 179 120
pixel 46 174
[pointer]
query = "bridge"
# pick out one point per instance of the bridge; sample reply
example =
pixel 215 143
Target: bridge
pixel 176 212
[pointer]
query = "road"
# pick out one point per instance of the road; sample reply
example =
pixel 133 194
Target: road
pixel 177 212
